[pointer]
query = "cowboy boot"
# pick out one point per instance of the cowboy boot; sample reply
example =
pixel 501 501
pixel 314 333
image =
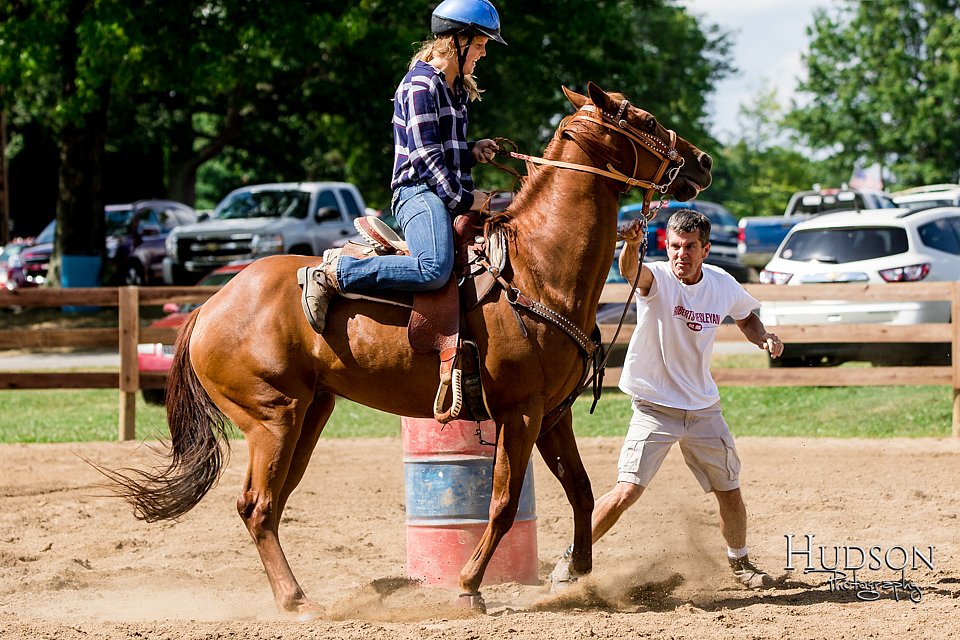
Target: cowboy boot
pixel 319 285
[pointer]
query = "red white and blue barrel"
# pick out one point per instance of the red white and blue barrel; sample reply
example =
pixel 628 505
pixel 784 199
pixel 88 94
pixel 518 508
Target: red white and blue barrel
pixel 448 479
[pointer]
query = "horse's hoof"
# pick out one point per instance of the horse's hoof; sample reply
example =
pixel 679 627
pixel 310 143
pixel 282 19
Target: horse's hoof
pixel 563 577
pixel 308 612
pixel 472 601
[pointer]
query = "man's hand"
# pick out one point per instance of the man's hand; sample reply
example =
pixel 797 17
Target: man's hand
pixel 770 342
pixel 485 150
pixel 632 232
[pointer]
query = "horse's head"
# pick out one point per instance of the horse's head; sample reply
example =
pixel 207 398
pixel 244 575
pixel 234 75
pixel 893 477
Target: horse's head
pixel 658 155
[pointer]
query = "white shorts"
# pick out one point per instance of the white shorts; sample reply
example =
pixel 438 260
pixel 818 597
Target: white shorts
pixel 704 438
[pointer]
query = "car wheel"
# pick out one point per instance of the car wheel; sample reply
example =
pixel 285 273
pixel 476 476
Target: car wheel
pixel 154 396
pixel 804 361
pixel 782 362
pixel 133 275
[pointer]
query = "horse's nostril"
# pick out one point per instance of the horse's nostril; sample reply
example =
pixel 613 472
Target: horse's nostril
pixel 706 162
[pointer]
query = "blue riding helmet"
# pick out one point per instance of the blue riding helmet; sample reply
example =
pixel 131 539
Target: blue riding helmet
pixel 469 17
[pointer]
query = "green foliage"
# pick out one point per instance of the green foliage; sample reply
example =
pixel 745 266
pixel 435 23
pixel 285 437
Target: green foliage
pixel 882 86
pixel 56 56
pixel 246 92
pixel 756 175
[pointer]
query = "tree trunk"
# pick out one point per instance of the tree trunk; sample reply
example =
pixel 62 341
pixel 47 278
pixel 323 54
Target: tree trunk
pixel 81 227
pixel 80 216
pixel 182 162
pixel 185 161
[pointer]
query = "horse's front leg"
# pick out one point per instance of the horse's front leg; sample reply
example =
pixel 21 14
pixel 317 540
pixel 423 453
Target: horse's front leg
pixel 517 434
pixel 558 446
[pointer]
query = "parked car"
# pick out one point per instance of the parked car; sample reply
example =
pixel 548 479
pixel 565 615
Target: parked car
pixel 759 236
pixel 723 235
pixel 35 258
pixel 135 243
pixel 866 247
pixel 303 218
pixel 931 195
pixel 136 239
pixel 157 357
pixel 11 272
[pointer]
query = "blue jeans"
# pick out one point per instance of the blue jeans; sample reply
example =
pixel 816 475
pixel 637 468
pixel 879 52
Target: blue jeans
pixel 428 230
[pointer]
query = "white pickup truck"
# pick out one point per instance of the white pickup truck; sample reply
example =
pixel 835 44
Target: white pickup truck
pixel 303 218
pixel 759 237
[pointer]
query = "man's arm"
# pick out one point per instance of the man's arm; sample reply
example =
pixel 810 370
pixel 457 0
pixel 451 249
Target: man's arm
pixel 632 236
pixel 753 329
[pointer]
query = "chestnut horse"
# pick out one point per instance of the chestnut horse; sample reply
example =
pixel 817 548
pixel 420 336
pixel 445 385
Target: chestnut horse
pixel 249 355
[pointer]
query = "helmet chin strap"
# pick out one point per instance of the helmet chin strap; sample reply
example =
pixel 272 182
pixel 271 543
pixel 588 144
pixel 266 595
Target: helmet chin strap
pixel 458 86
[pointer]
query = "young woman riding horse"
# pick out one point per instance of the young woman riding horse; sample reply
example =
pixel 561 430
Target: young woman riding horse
pixel 431 168
pixel 249 356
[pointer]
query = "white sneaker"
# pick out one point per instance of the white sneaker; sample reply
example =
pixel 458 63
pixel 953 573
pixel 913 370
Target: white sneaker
pixel 750 575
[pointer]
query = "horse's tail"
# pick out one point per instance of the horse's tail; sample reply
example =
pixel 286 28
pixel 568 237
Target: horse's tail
pixel 198 449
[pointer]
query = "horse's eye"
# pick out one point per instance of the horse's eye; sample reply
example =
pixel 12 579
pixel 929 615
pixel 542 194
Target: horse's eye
pixel 652 124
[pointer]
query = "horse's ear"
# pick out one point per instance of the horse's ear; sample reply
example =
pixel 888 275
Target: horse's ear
pixel 598 96
pixel 575 98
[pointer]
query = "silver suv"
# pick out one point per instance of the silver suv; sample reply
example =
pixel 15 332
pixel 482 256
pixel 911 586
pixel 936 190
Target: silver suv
pixel 303 218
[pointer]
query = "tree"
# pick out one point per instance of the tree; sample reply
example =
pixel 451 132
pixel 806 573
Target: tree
pixel 340 127
pixel 61 60
pixel 657 54
pixel 239 91
pixel 883 87
pixel 756 175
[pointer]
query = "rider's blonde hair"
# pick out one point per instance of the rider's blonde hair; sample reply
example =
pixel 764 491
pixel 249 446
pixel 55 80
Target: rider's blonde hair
pixel 443 47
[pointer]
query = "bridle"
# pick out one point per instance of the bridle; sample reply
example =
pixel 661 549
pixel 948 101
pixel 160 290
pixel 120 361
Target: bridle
pixel 667 154
pixel 591 347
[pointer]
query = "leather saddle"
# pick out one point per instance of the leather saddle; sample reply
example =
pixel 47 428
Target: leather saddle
pixel 436 317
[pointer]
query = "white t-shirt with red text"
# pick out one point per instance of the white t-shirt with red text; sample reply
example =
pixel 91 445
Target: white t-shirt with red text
pixel 668 360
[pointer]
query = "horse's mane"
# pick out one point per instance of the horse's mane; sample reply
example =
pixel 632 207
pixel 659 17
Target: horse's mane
pixel 585 136
pixel 528 182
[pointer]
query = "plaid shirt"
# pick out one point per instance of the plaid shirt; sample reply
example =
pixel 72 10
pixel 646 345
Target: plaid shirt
pixel 430 138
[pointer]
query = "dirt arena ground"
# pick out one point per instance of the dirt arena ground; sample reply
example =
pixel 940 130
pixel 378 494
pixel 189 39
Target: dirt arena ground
pixel 73 565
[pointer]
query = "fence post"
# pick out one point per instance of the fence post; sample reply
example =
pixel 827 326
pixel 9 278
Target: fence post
pixel 129 372
pixel 955 355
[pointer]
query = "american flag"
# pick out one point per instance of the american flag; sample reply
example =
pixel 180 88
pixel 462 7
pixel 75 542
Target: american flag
pixel 869 178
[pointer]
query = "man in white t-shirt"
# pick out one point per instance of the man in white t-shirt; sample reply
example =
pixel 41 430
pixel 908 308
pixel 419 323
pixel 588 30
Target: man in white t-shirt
pixel 680 305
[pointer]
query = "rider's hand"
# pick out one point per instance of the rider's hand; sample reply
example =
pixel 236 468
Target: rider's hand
pixel 632 232
pixel 485 150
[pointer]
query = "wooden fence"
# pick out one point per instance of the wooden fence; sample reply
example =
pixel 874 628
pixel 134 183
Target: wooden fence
pixel 130 333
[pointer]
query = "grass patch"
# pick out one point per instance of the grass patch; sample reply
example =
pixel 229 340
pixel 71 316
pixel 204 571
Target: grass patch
pixel 91 415
pixel 840 412
pixel 835 412
pixel 70 415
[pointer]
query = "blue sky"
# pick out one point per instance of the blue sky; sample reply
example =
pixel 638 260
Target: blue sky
pixel 769 37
